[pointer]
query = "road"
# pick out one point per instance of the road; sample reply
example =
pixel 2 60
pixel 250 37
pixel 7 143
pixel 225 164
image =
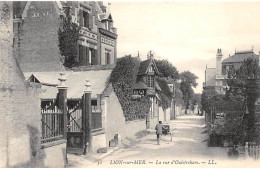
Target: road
pixel 188 148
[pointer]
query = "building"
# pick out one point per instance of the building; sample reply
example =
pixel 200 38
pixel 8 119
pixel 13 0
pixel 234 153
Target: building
pixel 215 77
pixel 36 49
pixel 36 42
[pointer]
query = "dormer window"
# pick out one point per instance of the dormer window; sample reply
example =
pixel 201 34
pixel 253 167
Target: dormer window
pixel 108 25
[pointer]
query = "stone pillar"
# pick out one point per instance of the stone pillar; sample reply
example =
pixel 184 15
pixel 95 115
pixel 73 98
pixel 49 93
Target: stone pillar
pixel 87 113
pixel 62 88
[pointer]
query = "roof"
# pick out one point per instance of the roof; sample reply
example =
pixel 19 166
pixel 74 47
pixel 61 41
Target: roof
pixel 18 7
pixel 105 16
pixel 240 57
pixel 140 85
pixel 210 76
pixel 144 65
pixel 75 81
pixel 44 79
pixel 157 86
pixel 211 81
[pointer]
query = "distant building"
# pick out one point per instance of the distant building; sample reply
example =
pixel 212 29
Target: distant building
pixel 215 77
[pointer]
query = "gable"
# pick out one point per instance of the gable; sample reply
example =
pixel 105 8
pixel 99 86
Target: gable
pixel 146 66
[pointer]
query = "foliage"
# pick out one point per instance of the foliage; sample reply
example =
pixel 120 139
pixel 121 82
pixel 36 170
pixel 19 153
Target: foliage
pixel 122 79
pixel 165 95
pixel 243 87
pixel 68 38
pixel 178 95
pixel 196 100
pixel 207 99
pixel 167 69
pixel 188 80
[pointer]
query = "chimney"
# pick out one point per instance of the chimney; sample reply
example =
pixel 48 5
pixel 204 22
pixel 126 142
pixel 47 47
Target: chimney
pixel 219 62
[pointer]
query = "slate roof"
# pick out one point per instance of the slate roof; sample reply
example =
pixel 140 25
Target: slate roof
pixel 75 81
pixel 211 76
pixel 211 81
pixel 140 85
pixel 143 67
pixel 18 7
pixel 240 57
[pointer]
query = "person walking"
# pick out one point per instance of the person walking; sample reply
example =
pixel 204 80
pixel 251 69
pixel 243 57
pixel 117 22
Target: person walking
pixel 158 129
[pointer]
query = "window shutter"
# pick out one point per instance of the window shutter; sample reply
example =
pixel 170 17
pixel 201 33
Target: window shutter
pixel 87 55
pixel 80 18
pixel 90 21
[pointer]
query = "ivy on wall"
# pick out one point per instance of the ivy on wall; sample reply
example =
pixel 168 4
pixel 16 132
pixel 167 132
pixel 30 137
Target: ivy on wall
pixel 122 79
pixel 68 41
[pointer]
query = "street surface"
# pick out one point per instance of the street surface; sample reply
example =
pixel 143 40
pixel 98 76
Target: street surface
pixel 188 148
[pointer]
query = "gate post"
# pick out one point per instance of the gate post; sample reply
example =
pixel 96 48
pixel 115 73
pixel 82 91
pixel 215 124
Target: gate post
pixel 87 113
pixel 62 89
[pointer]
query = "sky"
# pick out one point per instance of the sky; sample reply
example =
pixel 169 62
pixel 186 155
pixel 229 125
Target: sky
pixel 188 34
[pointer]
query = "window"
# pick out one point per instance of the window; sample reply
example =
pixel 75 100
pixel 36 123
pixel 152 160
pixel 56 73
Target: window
pixel 150 81
pixel 94 106
pixel 85 19
pixel 92 56
pixel 151 69
pixel 108 56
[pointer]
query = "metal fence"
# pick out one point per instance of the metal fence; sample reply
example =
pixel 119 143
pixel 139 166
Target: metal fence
pixel 52 124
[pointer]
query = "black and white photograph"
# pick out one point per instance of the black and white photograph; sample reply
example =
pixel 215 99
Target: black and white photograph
pixel 129 84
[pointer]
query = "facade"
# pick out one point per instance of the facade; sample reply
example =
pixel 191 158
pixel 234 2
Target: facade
pixel 36 26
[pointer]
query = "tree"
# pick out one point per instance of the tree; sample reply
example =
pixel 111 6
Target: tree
pixel 68 41
pixel 207 98
pixel 167 69
pixel 188 81
pixel 243 87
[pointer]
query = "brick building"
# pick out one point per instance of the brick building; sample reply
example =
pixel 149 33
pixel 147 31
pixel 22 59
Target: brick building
pixel 36 26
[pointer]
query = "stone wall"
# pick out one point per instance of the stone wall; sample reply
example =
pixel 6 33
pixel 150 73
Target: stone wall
pixel 20 118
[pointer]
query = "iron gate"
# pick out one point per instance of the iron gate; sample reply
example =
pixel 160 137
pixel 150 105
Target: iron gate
pixel 75 133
